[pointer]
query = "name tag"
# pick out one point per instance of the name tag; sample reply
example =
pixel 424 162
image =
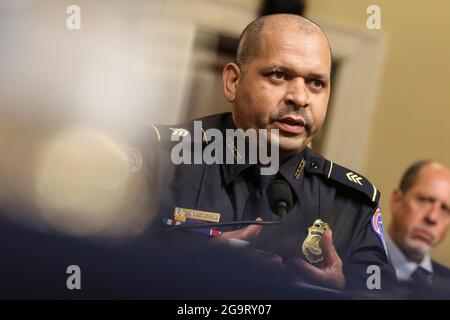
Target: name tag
pixel 180 214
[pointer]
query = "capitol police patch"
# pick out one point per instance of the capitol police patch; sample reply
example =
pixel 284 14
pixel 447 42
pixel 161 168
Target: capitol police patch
pixel 377 226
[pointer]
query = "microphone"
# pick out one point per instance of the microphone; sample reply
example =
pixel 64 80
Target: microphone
pixel 281 201
pixel 280 197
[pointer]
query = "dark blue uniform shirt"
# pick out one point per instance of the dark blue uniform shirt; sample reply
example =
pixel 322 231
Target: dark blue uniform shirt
pixel 322 189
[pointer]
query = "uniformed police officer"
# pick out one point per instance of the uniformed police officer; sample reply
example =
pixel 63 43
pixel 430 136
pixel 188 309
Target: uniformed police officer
pixel 280 80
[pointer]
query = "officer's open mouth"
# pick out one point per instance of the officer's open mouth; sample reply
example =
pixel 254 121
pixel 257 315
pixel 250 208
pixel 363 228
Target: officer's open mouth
pixel 290 125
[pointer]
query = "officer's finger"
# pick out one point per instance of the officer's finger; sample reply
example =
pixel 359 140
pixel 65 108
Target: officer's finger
pixel 309 271
pixel 251 231
pixel 330 254
pixel 331 277
pixel 246 233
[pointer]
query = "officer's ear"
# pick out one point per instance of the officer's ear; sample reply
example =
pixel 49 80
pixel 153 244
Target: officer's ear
pixel 395 202
pixel 231 76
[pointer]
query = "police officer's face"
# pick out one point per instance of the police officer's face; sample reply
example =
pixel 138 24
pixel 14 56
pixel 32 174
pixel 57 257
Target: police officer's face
pixel 286 86
pixel 421 216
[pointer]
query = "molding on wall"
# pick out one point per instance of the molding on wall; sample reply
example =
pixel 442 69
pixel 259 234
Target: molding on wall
pixel 361 61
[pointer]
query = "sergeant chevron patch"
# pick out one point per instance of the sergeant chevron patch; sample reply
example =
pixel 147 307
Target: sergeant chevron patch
pixel 179 131
pixel 354 178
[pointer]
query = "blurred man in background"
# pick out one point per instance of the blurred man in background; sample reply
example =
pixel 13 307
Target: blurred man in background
pixel 420 209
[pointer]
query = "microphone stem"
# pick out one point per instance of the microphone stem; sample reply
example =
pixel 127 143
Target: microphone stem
pixel 222 224
pixel 282 212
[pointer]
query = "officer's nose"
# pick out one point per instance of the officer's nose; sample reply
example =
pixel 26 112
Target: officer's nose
pixel 297 94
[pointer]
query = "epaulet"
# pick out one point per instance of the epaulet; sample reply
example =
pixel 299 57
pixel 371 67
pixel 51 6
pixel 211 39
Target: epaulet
pixel 164 133
pixel 196 131
pixel 316 164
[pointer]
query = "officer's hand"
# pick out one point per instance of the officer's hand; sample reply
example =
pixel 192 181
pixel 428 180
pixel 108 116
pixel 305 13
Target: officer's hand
pixel 247 233
pixel 327 273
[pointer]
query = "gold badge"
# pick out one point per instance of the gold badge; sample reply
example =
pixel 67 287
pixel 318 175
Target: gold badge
pixel 311 246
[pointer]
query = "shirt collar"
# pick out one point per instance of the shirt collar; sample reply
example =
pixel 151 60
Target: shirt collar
pixel 292 171
pixel 231 171
pixel 404 268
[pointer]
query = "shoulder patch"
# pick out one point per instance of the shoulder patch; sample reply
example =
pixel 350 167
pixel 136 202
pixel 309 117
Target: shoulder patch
pixel 319 165
pixel 376 223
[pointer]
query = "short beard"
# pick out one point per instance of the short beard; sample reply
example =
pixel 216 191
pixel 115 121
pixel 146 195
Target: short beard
pixel 413 253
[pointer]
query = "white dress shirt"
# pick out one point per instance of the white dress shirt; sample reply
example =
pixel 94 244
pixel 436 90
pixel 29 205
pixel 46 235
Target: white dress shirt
pixel 404 268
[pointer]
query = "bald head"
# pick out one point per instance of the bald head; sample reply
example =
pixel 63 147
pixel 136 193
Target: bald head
pixel 282 69
pixel 251 39
pixel 411 174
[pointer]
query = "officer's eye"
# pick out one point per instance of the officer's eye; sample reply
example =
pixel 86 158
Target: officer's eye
pixel 318 84
pixel 279 75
